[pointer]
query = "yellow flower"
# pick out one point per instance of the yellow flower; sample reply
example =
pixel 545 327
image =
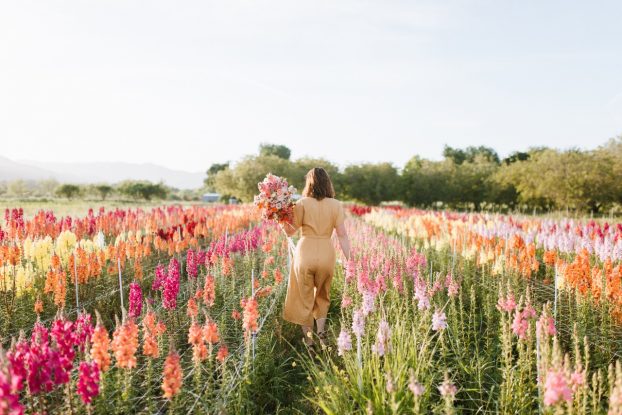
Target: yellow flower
pixel 65 244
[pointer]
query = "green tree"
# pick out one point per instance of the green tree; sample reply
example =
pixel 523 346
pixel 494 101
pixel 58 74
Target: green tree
pixel 241 181
pixel 470 154
pixel 278 150
pixel 68 190
pixel 426 182
pixel 103 190
pixel 143 190
pixel 213 170
pixel 371 183
pixel 18 188
pixel 564 179
pixel 46 187
pixel 299 168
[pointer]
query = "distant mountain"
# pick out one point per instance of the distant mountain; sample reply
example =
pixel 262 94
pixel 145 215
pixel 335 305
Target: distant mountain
pixel 110 172
pixel 12 170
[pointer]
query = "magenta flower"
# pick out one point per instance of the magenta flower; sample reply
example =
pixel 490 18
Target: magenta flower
pixel 171 286
pixel 191 263
pixel 439 321
pixel 88 381
pixel 160 276
pixel 556 388
pixel 136 300
pixel 9 395
pixel 346 301
pixel 64 334
pixel 344 343
pixel 84 330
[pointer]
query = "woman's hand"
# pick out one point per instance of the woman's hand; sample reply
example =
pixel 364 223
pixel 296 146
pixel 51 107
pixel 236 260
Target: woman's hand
pixel 287 228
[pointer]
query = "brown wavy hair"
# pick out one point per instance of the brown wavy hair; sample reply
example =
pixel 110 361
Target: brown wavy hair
pixel 318 184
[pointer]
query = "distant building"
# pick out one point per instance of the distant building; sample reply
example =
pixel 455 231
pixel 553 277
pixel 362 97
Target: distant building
pixel 211 197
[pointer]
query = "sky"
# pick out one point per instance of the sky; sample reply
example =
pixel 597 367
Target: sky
pixel 188 83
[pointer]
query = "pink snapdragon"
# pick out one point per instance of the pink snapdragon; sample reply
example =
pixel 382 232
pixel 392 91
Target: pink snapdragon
pixel 358 323
pixel 577 378
pixel 421 295
pixel 415 263
pixel 383 339
pixel 369 300
pixel 507 304
pixel 350 270
pixel 415 387
pixel 439 321
pixel 447 389
pixel 344 342
pixel 556 388
pixel 452 285
pixel 346 301
pixel 546 324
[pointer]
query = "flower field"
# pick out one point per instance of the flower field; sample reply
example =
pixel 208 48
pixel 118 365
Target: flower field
pixel 177 310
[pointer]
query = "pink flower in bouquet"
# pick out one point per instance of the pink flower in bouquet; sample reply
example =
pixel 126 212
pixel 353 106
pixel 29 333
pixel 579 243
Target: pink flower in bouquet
pixel 275 199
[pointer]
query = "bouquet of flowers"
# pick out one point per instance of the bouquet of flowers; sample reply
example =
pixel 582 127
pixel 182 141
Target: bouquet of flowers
pixel 275 199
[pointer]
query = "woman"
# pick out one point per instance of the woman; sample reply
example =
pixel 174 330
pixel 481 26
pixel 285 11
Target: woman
pixel 317 213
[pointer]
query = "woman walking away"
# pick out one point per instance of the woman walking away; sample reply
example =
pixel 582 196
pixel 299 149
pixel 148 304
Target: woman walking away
pixel 317 214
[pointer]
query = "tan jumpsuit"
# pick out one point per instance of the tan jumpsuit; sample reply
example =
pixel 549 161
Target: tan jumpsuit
pixel 313 266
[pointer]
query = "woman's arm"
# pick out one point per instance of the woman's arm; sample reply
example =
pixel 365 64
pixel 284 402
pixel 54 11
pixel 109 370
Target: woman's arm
pixel 344 241
pixel 291 228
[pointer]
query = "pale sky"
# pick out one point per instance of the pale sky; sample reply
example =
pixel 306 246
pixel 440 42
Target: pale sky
pixel 188 83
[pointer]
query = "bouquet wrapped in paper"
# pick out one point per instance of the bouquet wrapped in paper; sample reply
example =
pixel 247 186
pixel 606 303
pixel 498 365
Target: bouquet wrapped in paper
pixel 275 199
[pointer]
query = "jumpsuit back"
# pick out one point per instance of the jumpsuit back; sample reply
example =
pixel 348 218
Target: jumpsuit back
pixel 313 267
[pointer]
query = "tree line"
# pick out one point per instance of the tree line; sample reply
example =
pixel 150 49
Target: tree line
pixel 128 189
pixel 475 177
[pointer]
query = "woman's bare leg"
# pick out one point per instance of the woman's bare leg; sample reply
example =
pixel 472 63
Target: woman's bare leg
pixel 307 331
pixel 320 324
pixel 321 330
